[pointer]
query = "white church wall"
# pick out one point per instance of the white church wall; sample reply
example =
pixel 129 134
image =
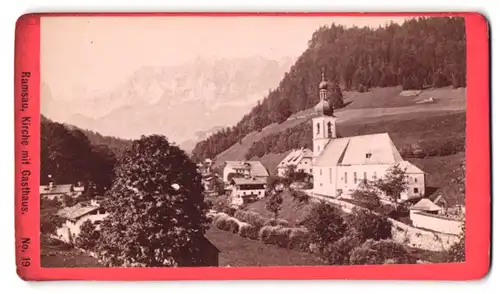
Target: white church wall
pixel 349 177
pixel 324 180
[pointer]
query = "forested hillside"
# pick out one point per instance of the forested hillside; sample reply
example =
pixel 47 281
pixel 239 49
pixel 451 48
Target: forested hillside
pixel 419 53
pixel 71 155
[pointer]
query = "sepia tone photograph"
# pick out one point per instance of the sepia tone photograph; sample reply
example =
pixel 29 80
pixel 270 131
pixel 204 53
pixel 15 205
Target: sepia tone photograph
pixel 204 141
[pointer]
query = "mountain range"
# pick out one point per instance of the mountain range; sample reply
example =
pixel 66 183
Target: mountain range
pixel 185 103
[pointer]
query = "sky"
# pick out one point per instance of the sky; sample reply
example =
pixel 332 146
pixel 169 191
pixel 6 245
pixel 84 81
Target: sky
pixel 97 53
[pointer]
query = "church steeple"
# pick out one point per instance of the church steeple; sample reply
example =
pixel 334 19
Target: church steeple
pixel 324 123
pixel 323 107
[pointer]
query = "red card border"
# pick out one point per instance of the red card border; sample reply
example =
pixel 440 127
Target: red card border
pixel 478 173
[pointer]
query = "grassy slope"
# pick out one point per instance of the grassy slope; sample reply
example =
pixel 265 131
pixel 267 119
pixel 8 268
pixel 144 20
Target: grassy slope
pixel 291 210
pixel 378 104
pixel 62 255
pixel 240 252
pixel 377 111
pixel 441 172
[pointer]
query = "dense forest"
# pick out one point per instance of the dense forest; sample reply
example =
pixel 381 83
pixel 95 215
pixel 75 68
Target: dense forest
pixel 70 155
pixel 419 53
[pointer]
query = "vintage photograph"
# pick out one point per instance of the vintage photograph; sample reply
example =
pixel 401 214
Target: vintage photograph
pixel 243 141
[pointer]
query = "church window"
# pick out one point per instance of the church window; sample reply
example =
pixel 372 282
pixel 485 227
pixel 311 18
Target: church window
pixel 368 155
pixel 364 176
pixel 329 126
pixel 330 175
pixel 317 129
pixel 320 171
pixel 415 190
pixel 345 177
pixel 415 179
pixel 355 177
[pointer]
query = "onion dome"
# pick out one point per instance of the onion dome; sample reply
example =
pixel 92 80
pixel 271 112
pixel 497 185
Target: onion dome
pixel 323 108
pixel 323 85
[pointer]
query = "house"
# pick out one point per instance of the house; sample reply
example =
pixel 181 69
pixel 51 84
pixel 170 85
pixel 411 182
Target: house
pixel 253 169
pixel 341 164
pixel 301 159
pixel 53 191
pixel 75 216
pixel 245 190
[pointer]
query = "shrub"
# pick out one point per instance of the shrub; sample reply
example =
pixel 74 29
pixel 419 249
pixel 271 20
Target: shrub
pixel 276 222
pixel 250 217
pixel 369 225
pixel 221 223
pixel 233 225
pixel 299 239
pixel 300 196
pixel 338 252
pixel 249 231
pixel 368 198
pixel 88 237
pixel 381 252
pixel 326 225
pixel 275 235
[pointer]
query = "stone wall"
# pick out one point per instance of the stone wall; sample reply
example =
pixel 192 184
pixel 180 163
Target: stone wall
pixel 403 233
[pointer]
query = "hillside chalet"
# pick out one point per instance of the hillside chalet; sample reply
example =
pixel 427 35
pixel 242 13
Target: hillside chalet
pixel 301 159
pixel 53 191
pixel 246 190
pixel 253 169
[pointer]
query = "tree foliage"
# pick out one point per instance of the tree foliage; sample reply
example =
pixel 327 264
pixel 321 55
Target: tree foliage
pixel 381 252
pixel 156 208
pixel 368 225
pixel 325 224
pixel 394 182
pixel 273 203
pixel 68 156
pixel 420 52
pixel 88 237
pixel 456 253
pixel 368 197
pixel 49 221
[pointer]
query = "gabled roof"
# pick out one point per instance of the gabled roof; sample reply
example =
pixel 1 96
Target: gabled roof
pixel 295 156
pixel 409 167
pixel 249 181
pixel 425 205
pixel 77 211
pixel 256 168
pixel 56 189
pixel 360 150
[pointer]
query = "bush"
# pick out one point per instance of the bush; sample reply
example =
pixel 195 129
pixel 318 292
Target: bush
pixel 88 237
pixel 250 217
pixel 300 196
pixel 275 235
pixel 381 252
pixel 276 222
pixel 249 231
pixel 233 225
pixel 222 223
pixel 369 225
pixel 326 225
pixel 338 252
pixel 368 198
pixel 299 239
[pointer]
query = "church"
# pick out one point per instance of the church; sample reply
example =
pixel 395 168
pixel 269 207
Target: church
pixel 341 164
